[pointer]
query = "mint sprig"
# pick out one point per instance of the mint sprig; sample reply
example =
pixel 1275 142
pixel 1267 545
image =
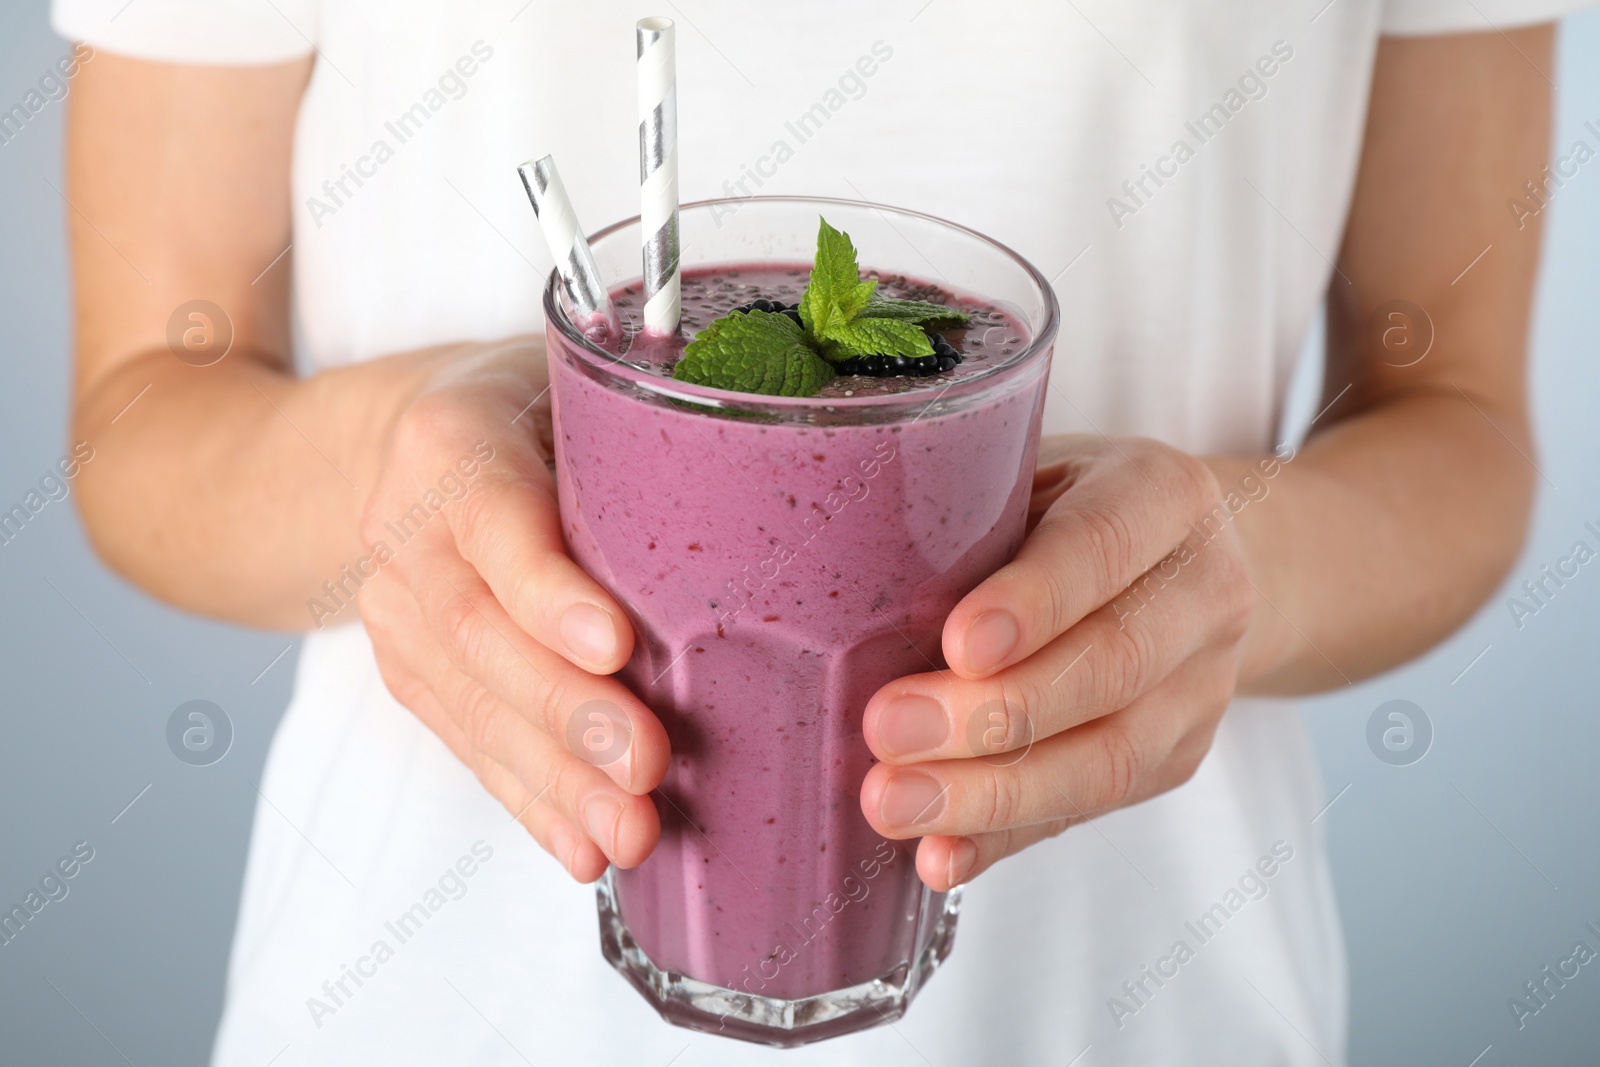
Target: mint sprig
pixel 842 317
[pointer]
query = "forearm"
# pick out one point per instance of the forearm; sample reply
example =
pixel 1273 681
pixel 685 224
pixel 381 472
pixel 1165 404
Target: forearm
pixel 1379 537
pixel 235 490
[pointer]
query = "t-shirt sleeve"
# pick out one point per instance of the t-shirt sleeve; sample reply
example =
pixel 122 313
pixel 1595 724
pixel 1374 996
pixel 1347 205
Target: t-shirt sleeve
pixel 222 32
pixel 1419 17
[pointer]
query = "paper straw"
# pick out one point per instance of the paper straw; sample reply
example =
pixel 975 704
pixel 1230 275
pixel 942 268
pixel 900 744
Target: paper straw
pixel 592 311
pixel 658 172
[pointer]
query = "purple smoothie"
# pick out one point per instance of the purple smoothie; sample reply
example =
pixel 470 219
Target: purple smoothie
pixel 780 569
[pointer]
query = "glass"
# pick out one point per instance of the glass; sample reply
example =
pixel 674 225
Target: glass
pixel 782 559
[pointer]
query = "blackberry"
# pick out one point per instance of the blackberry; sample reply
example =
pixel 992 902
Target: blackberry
pixel 890 366
pixel 775 306
pixel 945 358
pixel 943 349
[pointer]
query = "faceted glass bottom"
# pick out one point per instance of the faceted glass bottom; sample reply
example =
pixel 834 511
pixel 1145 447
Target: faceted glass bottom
pixel 713 1009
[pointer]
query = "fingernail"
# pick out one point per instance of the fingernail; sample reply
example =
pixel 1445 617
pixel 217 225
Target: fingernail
pixel 910 799
pixel 601 813
pixel 963 857
pixel 912 723
pixel 588 633
pixel 990 639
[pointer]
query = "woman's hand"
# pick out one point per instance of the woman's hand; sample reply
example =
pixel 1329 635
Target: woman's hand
pixel 1088 674
pixel 484 627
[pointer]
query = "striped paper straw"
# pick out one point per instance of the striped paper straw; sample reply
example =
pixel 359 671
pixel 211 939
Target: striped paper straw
pixel 658 172
pixel 592 311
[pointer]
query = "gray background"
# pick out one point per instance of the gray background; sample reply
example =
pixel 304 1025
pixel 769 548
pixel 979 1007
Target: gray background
pixel 1459 876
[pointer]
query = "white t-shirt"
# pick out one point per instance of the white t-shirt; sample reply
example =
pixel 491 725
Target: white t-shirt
pixel 1181 171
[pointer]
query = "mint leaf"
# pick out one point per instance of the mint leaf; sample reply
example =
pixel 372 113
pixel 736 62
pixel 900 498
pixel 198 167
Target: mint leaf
pixel 754 352
pixel 877 337
pixel 883 307
pixel 835 293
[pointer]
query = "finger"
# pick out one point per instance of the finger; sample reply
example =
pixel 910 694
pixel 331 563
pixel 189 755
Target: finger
pixel 1122 514
pixel 483 642
pixel 509 528
pixel 1107 763
pixel 554 833
pixel 944 862
pixel 623 825
pixel 1103 664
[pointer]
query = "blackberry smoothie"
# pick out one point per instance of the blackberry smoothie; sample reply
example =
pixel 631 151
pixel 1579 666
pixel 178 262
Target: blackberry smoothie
pixel 782 559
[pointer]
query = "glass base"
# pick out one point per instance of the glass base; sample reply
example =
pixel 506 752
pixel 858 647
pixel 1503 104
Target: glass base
pixel 713 1009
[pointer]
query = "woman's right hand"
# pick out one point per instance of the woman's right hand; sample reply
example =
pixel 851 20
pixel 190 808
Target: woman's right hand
pixel 488 631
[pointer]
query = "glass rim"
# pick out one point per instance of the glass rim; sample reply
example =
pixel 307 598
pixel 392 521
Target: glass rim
pixel 705 396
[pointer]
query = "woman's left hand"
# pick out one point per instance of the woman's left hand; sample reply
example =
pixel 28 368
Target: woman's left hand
pixel 1086 675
